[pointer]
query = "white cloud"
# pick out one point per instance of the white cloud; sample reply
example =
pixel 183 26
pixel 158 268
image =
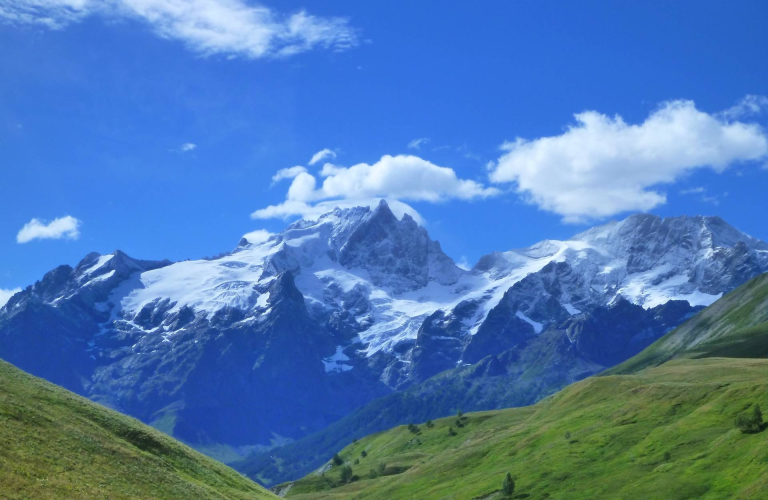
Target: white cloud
pixel 401 177
pixel 188 146
pixel 602 166
pixel 5 295
pixel 64 227
pixel 229 27
pixel 417 143
pixel 693 190
pixel 287 173
pixel 325 154
pixel 258 236
pixel 749 105
pixel 463 263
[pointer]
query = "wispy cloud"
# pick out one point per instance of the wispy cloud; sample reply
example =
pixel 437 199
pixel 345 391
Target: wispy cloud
pixel 258 236
pixel 713 199
pixel 187 147
pixel 66 227
pixel 464 263
pixel 230 27
pixel 603 166
pixel 321 155
pixel 750 105
pixel 704 195
pixel 5 295
pixel 402 177
pixel 287 173
pixel 417 143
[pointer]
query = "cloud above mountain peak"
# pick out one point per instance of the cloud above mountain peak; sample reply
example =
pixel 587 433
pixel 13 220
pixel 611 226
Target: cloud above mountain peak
pixel 602 166
pixel 66 227
pixel 402 177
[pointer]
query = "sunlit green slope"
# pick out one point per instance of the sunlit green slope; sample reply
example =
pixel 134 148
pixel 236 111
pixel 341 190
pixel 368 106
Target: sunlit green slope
pixel 55 444
pixel 734 326
pixel 665 433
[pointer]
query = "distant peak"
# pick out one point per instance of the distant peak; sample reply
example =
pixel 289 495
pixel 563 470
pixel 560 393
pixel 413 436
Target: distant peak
pixel 709 231
pixel 88 260
pixel 383 211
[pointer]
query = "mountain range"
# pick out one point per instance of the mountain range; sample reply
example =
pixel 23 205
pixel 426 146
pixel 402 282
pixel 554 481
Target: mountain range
pixel 335 317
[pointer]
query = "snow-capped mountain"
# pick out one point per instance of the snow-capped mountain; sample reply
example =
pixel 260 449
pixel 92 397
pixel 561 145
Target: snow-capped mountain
pixel 281 337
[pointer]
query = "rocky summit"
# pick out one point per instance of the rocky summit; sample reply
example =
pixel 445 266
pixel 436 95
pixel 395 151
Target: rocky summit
pixel 280 338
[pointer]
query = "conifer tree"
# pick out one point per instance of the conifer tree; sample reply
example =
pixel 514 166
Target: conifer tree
pixel 508 486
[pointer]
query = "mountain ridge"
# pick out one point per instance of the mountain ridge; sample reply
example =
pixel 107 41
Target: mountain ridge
pixel 382 309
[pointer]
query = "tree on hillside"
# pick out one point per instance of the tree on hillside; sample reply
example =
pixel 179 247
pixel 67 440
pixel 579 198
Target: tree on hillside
pixel 346 474
pixel 757 415
pixel 752 423
pixel 363 453
pixel 337 460
pixel 413 428
pixel 508 486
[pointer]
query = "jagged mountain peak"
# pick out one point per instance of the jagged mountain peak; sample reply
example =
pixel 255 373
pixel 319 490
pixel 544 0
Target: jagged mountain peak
pixel 390 247
pixel 704 231
pixel 95 264
pixel 283 288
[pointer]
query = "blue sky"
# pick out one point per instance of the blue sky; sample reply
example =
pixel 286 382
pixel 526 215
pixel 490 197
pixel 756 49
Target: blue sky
pixel 99 99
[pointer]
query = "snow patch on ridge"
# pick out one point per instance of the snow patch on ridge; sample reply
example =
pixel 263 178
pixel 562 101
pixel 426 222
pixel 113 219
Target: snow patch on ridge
pixel 537 327
pixel 100 262
pixel 335 363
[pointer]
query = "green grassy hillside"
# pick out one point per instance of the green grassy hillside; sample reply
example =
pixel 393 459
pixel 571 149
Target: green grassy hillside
pixel 734 326
pixel 55 444
pixel 665 433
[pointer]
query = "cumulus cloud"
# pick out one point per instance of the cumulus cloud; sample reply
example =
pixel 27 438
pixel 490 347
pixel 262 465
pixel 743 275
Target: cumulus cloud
pixel 5 295
pixel 603 166
pixel 228 27
pixel 402 177
pixel 64 227
pixel 417 143
pixel 258 236
pixel 288 173
pixel 325 154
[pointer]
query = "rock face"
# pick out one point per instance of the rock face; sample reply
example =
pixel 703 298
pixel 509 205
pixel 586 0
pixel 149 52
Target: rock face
pixel 332 313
